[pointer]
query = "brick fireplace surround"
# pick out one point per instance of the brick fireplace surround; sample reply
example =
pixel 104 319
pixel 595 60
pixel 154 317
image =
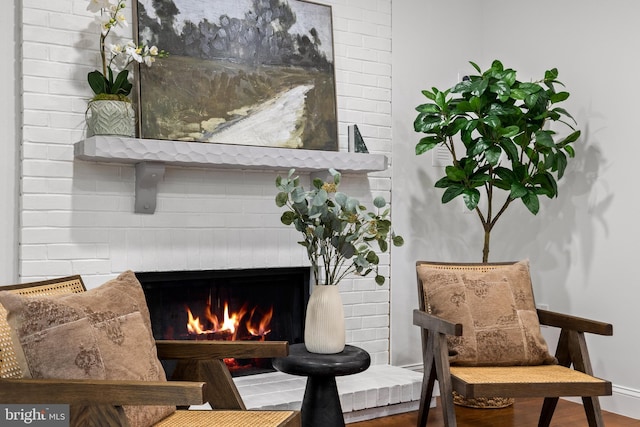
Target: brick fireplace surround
pixel 77 216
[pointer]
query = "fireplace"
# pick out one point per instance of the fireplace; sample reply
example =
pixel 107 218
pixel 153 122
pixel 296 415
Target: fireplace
pixel 239 304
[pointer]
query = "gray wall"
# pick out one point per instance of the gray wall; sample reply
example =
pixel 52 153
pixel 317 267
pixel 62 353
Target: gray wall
pixel 582 245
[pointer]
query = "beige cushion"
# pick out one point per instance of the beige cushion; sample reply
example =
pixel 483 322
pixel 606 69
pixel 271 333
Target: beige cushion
pixel 104 333
pixel 495 305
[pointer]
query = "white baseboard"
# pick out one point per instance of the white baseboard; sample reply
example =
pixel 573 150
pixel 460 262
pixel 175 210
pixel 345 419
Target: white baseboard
pixel 624 401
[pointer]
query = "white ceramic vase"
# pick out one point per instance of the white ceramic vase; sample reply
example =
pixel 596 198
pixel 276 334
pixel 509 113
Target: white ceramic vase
pixel 324 331
pixel 107 117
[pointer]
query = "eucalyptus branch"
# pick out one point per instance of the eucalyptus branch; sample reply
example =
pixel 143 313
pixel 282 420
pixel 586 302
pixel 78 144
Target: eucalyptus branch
pixel 336 238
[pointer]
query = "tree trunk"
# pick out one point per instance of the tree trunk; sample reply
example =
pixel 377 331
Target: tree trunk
pixel 485 249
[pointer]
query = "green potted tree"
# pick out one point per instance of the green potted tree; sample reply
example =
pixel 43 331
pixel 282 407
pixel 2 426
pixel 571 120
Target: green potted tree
pixel 496 130
pixel 338 233
pixel 110 111
pixel 498 133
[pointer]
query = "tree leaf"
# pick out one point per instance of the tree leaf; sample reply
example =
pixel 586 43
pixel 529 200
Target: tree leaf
pixel 531 201
pixel 443 183
pixel 491 121
pixel 455 173
pixel 510 148
pixel 471 198
pixel 509 131
pixel 427 123
pixel 561 163
pixel 441 100
pixel 458 124
pixel 551 74
pixel 543 137
pixel 451 193
pixel 492 154
pixel 517 190
pixel 559 97
pixel 429 94
pixel 479 87
pixel 428 108
pixel 569 139
pixel 426 144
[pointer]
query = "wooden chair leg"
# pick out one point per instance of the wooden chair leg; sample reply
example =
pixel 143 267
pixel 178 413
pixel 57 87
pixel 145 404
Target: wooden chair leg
pixel 582 362
pixel 593 411
pixel 443 373
pixel 548 408
pixel 572 350
pixel 428 381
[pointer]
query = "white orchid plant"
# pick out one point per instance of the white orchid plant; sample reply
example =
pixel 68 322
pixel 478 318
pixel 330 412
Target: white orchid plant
pixel 116 56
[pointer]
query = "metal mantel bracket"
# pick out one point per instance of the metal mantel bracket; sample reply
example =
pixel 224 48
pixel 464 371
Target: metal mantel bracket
pixel 148 174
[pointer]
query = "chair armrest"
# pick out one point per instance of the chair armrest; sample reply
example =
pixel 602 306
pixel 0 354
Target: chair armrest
pixel 101 392
pixel 565 321
pixel 436 324
pixel 203 350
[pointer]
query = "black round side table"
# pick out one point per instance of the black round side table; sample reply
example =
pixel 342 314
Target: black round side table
pixel 321 404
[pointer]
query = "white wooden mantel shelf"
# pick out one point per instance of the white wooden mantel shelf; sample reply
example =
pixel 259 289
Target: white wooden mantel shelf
pixel 151 155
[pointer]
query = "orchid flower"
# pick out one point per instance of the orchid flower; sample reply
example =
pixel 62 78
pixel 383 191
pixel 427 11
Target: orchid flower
pixel 110 81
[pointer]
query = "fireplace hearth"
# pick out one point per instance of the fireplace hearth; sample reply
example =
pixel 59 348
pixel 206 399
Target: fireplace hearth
pixel 265 304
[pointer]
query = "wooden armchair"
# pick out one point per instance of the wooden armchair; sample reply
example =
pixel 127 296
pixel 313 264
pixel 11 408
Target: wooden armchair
pixel 550 381
pixel 201 373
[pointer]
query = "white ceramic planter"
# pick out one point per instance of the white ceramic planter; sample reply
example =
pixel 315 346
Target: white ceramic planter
pixel 324 330
pixel 106 117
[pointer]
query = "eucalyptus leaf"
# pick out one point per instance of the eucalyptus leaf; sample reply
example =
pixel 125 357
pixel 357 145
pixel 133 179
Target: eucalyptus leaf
pixel 320 198
pixel 379 202
pixel 282 199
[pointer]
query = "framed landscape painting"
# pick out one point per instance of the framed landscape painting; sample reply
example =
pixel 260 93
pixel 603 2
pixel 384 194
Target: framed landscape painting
pixel 248 72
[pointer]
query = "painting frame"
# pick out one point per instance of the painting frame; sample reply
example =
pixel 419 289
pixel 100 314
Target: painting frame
pixel 247 72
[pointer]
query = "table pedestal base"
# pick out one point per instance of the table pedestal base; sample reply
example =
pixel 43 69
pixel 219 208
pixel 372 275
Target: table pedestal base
pixel 321 404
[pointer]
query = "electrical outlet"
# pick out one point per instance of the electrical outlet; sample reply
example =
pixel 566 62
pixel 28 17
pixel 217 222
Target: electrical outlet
pixel 440 156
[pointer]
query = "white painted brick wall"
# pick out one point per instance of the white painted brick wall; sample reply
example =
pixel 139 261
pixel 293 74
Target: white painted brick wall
pixel 77 217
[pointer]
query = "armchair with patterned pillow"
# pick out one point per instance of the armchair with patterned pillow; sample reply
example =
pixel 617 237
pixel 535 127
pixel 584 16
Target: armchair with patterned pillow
pixel 481 340
pixel 94 350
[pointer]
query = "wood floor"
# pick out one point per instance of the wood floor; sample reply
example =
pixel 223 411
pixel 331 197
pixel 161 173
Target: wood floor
pixel 523 413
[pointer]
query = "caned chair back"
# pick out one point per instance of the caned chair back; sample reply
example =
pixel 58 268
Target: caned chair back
pixel 9 367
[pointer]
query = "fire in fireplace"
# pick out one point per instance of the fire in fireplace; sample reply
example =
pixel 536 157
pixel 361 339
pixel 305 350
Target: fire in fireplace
pixel 238 304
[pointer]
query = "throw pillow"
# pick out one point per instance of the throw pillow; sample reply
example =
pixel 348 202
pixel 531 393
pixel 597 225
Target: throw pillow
pixel 495 305
pixel 104 333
